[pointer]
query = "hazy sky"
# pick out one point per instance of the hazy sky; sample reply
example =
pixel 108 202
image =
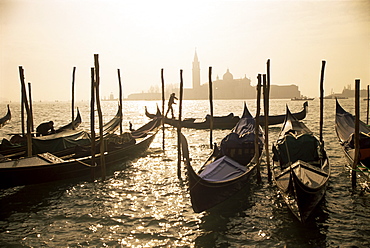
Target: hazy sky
pixel 49 38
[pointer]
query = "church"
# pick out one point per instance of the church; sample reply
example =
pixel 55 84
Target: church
pixel 230 88
pixel 226 88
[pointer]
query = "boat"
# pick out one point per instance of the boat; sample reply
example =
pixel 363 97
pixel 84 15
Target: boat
pixel 76 123
pixel 62 142
pixel 345 129
pixel 6 118
pixel 46 167
pixel 224 122
pixel 302 98
pixel 300 167
pixel 230 168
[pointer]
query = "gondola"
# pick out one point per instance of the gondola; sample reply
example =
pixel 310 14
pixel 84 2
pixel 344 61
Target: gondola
pixel 345 129
pixel 46 167
pixel 224 122
pixel 76 123
pixel 230 169
pixel 4 120
pixel 300 168
pixel 61 142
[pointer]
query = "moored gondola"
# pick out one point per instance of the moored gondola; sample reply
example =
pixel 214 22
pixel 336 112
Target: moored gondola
pixel 60 143
pixel 230 169
pixel 6 118
pixel 301 167
pixel 345 129
pixel 224 122
pixel 46 167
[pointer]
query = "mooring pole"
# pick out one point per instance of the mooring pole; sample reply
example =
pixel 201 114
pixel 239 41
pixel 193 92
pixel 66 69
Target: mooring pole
pixel 120 100
pixel 25 102
pixel 257 129
pixel 73 98
pixel 211 108
pixel 92 123
pixel 179 128
pixel 100 115
pixel 322 103
pixel 357 132
pixel 266 96
pixel 31 111
pixel 368 101
pixel 163 102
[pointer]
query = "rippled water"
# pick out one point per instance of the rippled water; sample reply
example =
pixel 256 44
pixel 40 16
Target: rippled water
pixel 144 204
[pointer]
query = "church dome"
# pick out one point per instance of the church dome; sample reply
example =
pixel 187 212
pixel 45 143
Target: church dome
pixel 228 76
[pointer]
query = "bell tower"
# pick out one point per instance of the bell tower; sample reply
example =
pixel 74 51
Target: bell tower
pixel 196 72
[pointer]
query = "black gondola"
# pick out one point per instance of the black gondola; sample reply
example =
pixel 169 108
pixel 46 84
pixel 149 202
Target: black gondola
pixel 301 167
pixel 224 122
pixel 46 167
pixel 345 129
pixel 6 118
pixel 229 169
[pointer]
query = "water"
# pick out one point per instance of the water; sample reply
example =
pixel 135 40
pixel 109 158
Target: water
pixel 144 204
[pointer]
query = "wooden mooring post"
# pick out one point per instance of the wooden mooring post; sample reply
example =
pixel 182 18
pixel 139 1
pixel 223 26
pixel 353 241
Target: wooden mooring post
pixel 257 129
pixel 120 100
pixel 92 123
pixel 26 106
pixel 100 116
pixel 73 97
pixel 179 128
pixel 367 104
pixel 357 132
pixel 211 107
pixel 31 110
pixel 322 103
pixel 266 96
pixel 163 103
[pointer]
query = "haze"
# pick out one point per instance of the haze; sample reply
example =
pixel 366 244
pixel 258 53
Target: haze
pixel 49 38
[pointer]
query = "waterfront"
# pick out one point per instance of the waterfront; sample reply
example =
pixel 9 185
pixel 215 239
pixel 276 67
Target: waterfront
pixel 143 204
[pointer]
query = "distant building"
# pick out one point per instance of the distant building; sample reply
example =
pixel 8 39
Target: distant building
pixel 230 88
pixel 347 92
pixel 225 88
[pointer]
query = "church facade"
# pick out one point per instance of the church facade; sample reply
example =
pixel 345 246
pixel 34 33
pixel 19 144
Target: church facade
pixel 226 87
pixel 230 88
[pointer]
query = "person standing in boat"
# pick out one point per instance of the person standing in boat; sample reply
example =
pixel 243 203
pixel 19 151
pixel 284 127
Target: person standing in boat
pixel 171 101
pixel 43 128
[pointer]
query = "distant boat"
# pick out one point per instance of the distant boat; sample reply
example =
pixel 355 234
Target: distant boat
pixel 302 98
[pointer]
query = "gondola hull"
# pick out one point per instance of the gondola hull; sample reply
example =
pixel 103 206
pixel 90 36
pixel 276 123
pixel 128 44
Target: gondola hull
pixel 301 168
pixel 229 169
pixel 8 116
pixel 205 195
pixel 345 128
pixel 38 169
pixel 297 189
pixel 225 122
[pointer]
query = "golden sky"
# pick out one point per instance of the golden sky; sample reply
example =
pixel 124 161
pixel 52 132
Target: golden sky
pixel 49 38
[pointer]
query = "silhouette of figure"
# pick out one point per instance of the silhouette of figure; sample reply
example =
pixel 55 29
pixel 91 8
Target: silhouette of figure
pixel 43 128
pixel 171 101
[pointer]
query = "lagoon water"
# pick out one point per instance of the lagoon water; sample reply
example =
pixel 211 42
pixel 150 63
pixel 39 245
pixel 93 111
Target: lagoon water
pixel 144 204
